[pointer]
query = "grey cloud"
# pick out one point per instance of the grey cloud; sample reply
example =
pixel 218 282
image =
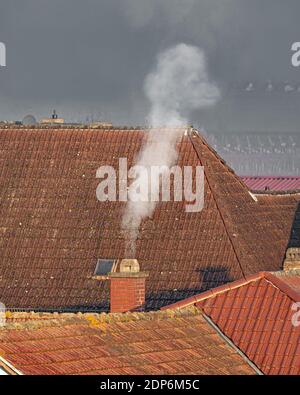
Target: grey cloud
pixel 90 58
pixel 142 13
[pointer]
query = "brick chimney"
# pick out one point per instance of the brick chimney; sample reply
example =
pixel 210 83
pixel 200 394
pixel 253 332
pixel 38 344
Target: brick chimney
pixel 292 259
pixel 127 287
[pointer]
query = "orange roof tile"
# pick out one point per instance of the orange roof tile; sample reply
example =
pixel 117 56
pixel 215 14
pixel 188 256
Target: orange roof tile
pixel 280 183
pixel 259 315
pixel 150 343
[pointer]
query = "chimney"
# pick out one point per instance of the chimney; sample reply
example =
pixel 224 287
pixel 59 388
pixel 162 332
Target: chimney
pixel 292 259
pixel 127 287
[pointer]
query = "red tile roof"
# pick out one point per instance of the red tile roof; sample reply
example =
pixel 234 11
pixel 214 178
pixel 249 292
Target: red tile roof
pixel 272 183
pixel 257 315
pixel 151 343
pixel 53 230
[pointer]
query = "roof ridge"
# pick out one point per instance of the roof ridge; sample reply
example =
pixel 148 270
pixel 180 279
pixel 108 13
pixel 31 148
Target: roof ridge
pixel 35 320
pixel 291 192
pixel 282 286
pixel 215 291
pixel 68 126
pixel 269 276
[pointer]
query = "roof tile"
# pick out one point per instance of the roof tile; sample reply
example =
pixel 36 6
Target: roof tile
pixel 53 229
pixel 151 343
pixel 257 316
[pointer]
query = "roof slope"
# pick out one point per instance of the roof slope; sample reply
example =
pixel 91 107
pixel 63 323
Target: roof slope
pixel 151 343
pixel 53 230
pixel 260 316
pixel 245 219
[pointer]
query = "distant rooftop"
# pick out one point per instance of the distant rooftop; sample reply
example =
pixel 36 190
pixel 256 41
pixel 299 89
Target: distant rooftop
pixel 279 183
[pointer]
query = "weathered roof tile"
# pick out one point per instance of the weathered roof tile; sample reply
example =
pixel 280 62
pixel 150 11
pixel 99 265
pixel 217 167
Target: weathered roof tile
pixel 53 230
pixel 153 343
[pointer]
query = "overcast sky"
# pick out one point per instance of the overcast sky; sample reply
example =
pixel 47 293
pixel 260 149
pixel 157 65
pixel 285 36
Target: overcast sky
pixel 90 58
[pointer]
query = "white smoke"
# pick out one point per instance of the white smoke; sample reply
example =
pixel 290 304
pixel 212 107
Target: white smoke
pixel 178 85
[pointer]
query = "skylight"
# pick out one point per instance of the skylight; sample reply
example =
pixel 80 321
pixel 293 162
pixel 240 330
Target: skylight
pixel 104 266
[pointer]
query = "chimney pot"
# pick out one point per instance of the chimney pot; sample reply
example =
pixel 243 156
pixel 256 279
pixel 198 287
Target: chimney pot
pixel 129 266
pixel 292 259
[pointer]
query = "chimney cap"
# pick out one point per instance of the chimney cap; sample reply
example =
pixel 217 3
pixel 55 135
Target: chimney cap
pixel 292 259
pixel 129 266
pixel 107 268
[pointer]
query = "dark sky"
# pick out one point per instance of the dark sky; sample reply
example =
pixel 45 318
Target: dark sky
pixel 90 58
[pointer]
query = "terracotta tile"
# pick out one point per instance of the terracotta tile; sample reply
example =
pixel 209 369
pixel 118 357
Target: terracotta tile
pixel 261 323
pixel 65 229
pixel 144 343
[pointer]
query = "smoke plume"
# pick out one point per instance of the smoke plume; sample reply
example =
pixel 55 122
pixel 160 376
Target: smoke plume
pixel 178 85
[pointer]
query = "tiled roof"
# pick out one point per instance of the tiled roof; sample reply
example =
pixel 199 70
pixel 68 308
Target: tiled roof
pixel 289 282
pixel 279 205
pixel 53 230
pixel 149 343
pixel 259 315
pixel 272 183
